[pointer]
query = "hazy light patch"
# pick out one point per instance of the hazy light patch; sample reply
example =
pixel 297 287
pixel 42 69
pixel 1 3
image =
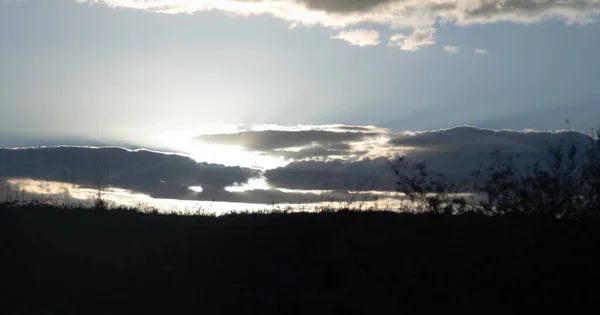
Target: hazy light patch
pixel 375 147
pixel 390 194
pixel 359 37
pixel 196 188
pixel 266 127
pixel 253 184
pixel 376 193
pixel 204 207
pixel 72 192
pixel 300 191
pixel 294 149
pixel 183 139
pixel 224 128
pixel 452 49
pixel 43 187
pixel 326 127
pixel 67 193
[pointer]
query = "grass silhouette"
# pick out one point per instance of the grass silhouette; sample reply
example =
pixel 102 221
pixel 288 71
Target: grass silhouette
pixel 68 260
pixel 529 246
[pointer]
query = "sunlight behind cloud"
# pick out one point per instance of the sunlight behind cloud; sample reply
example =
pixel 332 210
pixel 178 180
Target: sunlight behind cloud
pixel 252 184
pixel 182 139
pixel 359 37
pixel 418 39
pixel 71 194
pixel 67 192
pixel 196 188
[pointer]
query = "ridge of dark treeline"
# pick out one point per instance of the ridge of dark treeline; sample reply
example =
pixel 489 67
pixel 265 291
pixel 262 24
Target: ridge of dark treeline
pixel 60 260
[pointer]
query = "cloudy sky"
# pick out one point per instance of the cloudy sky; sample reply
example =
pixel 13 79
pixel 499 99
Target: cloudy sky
pixel 292 88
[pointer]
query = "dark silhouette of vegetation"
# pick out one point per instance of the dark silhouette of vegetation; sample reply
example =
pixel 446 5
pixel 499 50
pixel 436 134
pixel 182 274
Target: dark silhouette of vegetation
pixel 67 260
pixel 509 240
pixel 567 184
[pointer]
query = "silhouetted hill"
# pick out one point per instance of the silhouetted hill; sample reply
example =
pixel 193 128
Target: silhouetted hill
pixel 85 261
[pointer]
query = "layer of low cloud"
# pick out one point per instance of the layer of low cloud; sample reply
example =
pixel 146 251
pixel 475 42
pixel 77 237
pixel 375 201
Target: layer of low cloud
pixel 364 175
pixel 321 142
pixel 156 174
pixel 467 139
pixel 332 158
pixel 452 49
pixel 454 152
pixel 216 201
pixel 341 160
pixel 479 51
pixel 359 37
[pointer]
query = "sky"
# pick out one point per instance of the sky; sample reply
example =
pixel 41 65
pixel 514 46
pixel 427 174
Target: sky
pixel 183 76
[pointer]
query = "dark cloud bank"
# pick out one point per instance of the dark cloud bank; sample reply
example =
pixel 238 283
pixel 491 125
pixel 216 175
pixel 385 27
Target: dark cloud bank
pixel 313 143
pixel 277 139
pixel 159 175
pixel 454 152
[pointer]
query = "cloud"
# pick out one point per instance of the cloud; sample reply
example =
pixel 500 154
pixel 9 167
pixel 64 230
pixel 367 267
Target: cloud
pixel 358 128
pixel 452 49
pixel 479 51
pixel 457 151
pixel 340 150
pixel 323 158
pixel 411 14
pixel 414 42
pixel 467 138
pixel 367 174
pixel 397 38
pixel 359 37
pixel 305 142
pixel 415 13
pixel 214 200
pixel 159 175
pixel 276 196
pixel 272 140
pixel 454 152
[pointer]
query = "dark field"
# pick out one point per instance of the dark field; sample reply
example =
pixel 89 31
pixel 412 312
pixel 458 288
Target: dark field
pixel 85 261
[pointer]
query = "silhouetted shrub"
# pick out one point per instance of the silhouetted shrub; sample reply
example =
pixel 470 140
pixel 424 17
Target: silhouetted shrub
pixel 566 184
pixel 427 191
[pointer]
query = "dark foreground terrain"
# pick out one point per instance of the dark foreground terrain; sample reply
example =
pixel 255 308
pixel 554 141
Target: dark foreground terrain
pixel 83 261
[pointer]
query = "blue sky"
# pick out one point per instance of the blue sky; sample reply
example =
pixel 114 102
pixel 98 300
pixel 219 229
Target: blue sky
pixel 75 71
pixel 306 93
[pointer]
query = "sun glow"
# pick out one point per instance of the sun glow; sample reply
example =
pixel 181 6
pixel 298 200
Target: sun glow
pixel 196 188
pixel 252 184
pixel 183 139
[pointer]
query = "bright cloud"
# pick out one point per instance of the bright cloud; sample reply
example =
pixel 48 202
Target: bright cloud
pixel 452 49
pixel 414 42
pixel 479 51
pixel 420 16
pixel 359 37
pixel 397 38
pixel 396 13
